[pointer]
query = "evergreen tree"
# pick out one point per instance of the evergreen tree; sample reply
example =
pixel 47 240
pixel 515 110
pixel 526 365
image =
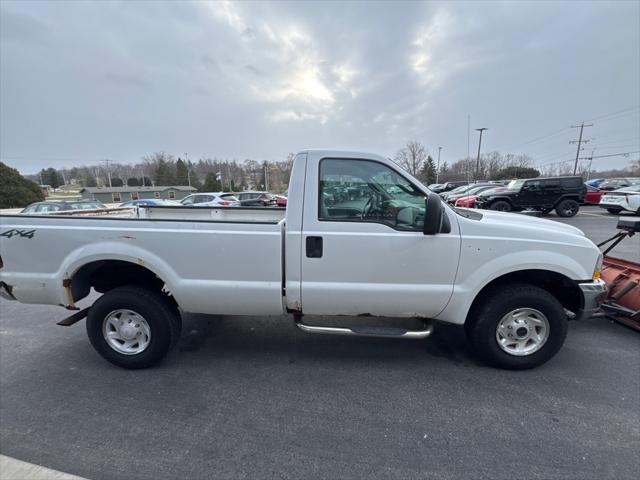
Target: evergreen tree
pixel 428 172
pixel 515 172
pixel 165 175
pixel 133 182
pixel 182 173
pixel 211 183
pixel 50 176
pixel 15 190
pixel 195 181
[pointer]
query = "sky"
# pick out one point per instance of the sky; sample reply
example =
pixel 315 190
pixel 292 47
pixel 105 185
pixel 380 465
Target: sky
pixel 86 81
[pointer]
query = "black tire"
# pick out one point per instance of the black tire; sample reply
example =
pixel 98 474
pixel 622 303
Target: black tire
pixel 613 211
pixel 567 208
pixel 501 206
pixel 483 321
pixel 161 315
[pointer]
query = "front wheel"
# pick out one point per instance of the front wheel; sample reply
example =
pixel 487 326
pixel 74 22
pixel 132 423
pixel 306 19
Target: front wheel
pixel 567 208
pixel 133 327
pixel 501 206
pixel 517 327
pixel 614 211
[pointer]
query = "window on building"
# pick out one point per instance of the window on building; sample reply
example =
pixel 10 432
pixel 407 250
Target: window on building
pixel 172 194
pixel 134 195
pixel 115 196
pixel 156 194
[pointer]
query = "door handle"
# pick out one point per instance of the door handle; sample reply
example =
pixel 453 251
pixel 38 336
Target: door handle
pixel 314 247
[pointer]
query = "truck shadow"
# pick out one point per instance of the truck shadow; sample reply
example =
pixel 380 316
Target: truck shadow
pixel 208 336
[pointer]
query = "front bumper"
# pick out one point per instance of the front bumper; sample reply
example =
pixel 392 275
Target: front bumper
pixel 593 294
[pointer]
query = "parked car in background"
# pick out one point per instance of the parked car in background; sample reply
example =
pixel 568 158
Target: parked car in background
pixel 434 186
pixel 623 199
pixel 211 199
pixel 48 207
pixel 469 200
pixel 453 195
pixel 257 199
pixel 446 187
pixel 616 183
pixel 595 182
pixel 592 197
pixel 150 202
pixel 281 200
pixel 564 194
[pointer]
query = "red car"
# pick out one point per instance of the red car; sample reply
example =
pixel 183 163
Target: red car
pixel 593 195
pixel 467 201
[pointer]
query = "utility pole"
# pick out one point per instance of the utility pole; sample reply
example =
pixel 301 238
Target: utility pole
pixel 438 167
pixel 479 144
pixel 108 172
pixel 186 161
pixel 579 142
pixel 266 177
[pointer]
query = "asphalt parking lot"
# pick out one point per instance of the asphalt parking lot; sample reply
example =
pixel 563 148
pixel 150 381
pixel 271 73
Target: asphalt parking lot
pixel 253 398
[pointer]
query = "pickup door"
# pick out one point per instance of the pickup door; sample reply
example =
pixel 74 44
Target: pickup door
pixel 363 250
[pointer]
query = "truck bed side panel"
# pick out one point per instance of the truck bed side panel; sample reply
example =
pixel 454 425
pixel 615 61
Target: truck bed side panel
pixel 222 268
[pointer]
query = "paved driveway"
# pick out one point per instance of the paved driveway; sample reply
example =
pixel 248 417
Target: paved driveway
pixel 252 398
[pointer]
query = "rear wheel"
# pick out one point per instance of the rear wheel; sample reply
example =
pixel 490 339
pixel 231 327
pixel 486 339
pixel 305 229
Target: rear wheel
pixel 517 327
pixel 501 206
pixel 133 327
pixel 613 211
pixel 567 208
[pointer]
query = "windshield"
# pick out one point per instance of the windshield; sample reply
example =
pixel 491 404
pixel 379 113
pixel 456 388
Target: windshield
pixel 515 185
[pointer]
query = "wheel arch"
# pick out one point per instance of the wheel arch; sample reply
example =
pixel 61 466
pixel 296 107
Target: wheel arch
pixel 563 288
pixel 111 268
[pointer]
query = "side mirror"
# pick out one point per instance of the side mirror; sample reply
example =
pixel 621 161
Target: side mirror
pixel 433 214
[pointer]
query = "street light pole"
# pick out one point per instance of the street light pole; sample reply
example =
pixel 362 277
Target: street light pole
pixel 438 166
pixel 479 144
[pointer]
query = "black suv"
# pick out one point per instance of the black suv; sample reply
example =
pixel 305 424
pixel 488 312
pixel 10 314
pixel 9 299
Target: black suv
pixel 565 194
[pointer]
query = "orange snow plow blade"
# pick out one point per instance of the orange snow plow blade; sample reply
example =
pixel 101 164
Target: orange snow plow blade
pixel 623 279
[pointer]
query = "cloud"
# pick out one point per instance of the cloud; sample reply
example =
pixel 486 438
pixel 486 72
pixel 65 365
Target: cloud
pixel 258 79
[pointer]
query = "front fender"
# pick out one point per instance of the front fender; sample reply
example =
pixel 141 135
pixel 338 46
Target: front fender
pixel 473 277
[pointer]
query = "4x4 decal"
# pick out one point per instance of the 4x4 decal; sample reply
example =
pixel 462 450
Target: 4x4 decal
pixel 21 233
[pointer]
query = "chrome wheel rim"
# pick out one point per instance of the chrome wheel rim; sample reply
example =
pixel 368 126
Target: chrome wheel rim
pixel 126 332
pixel 522 332
pixel 568 211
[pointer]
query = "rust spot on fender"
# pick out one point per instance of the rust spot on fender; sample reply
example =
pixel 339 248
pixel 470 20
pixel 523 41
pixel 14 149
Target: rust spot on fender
pixel 66 284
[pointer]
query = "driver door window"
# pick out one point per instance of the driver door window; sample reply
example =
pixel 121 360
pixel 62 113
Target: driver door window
pixel 368 191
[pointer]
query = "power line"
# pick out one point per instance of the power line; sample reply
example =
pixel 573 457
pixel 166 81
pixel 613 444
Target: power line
pixel 558 132
pixel 626 111
pixel 622 154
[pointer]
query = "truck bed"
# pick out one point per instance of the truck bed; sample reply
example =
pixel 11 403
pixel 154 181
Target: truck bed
pixel 227 260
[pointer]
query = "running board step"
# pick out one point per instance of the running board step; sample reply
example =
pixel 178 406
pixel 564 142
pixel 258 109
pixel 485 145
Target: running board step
pixel 368 331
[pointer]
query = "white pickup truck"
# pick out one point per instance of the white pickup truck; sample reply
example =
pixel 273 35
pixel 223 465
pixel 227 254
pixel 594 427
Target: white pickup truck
pixel 360 237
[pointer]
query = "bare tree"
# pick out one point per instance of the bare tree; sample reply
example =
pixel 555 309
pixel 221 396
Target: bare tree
pixel 412 157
